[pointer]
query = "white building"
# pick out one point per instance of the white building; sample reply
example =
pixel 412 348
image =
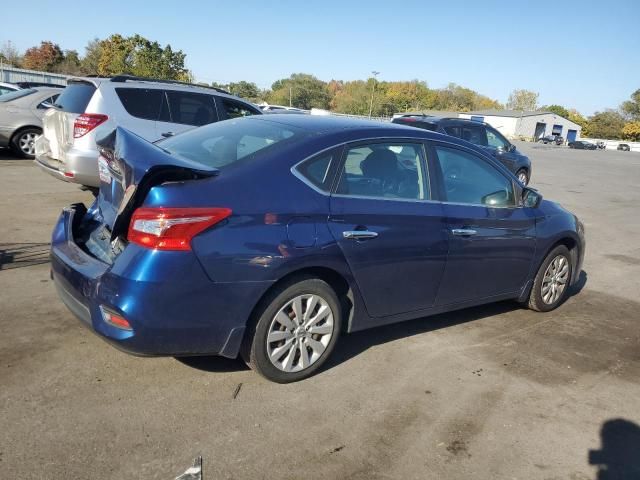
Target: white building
pixel 527 124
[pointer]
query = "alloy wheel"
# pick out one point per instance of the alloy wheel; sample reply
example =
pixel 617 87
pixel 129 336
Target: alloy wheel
pixel 300 333
pixel 555 279
pixel 26 142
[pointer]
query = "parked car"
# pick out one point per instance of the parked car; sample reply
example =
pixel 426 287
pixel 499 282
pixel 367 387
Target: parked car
pixel 269 236
pixel 557 139
pixel 151 108
pixel 8 88
pixel 478 133
pixel 624 147
pixel 21 114
pixel 281 109
pixel 583 145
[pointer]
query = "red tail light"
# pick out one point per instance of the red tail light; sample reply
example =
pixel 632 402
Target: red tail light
pixel 172 228
pixel 87 122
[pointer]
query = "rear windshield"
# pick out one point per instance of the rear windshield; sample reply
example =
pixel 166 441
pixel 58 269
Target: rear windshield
pixel 75 98
pixel 7 97
pixel 223 143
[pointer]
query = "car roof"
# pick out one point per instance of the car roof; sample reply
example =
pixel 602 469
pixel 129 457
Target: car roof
pixel 436 119
pixel 141 82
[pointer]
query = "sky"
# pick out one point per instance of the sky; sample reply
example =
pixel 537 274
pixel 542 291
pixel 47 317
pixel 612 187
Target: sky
pixel 579 54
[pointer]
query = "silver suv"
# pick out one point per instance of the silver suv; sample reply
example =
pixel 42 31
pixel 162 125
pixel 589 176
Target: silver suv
pixel 91 107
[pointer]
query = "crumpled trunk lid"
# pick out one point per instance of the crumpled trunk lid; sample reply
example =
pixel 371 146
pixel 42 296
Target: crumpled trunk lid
pixel 129 167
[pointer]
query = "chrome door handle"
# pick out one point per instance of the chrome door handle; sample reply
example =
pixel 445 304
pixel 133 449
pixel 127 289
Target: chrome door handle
pixel 463 232
pixel 359 234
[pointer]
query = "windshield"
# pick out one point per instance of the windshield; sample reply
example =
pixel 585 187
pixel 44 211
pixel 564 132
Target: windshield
pixel 7 97
pixel 223 143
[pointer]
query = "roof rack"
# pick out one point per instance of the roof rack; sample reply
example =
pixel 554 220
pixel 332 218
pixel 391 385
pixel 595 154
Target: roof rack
pixel 126 78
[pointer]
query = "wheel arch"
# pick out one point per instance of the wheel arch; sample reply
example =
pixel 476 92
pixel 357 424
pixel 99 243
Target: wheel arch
pixel 19 130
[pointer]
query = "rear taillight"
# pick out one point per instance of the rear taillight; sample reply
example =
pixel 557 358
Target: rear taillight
pixel 172 228
pixel 87 122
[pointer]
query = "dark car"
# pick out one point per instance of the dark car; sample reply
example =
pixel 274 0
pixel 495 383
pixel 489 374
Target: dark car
pixel 557 139
pixel 478 133
pixel 583 145
pixel 269 236
pixel 624 147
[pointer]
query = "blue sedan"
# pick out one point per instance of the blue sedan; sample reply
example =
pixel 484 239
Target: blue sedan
pixel 268 237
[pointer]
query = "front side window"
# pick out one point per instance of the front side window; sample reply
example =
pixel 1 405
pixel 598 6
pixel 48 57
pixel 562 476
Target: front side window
pixel 385 170
pixel 235 109
pixel 494 139
pixel 469 179
pixel 190 108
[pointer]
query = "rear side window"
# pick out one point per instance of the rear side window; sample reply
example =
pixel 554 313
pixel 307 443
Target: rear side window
pixel 76 97
pixel 191 108
pixel 141 102
pixel 385 170
pixel 317 170
pixel 224 143
pixel 7 97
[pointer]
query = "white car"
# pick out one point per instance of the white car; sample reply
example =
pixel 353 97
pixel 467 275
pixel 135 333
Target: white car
pixel 90 108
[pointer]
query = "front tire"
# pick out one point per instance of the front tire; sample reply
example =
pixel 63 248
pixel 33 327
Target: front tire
pixel 23 142
pixel 294 331
pixel 551 284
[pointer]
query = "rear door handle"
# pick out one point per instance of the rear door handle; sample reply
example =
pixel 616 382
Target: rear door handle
pixel 463 232
pixel 359 234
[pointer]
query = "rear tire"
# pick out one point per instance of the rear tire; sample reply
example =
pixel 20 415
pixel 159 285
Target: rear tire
pixel 551 284
pixel 23 142
pixel 294 330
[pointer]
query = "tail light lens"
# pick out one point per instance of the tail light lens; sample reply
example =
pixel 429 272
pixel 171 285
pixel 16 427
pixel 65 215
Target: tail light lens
pixel 87 122
pixel 172 228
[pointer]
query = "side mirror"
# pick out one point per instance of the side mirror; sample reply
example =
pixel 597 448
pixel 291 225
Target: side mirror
pixel 511 147
pixel 531 198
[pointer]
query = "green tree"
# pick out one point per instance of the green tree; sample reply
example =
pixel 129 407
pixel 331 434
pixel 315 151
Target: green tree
pixel 631 108
pixel 70 64
pixel 137 55
pixel 631 131
pixel 557 109
pixel 91 60
pixel 304 91
pixel 576 117
pixel 522 100
pixel 45 57
pixel 248 90
pixel 607 124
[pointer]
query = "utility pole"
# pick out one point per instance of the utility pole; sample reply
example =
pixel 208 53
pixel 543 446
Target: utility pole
pixel 373 89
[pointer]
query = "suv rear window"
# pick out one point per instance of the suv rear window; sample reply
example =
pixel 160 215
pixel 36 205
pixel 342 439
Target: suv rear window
pixel 76 97
pixel 223 143
pixel 141 102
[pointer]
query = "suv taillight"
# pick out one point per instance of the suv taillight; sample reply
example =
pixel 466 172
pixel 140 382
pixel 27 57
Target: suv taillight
pixel 87 122
pixel 172 228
